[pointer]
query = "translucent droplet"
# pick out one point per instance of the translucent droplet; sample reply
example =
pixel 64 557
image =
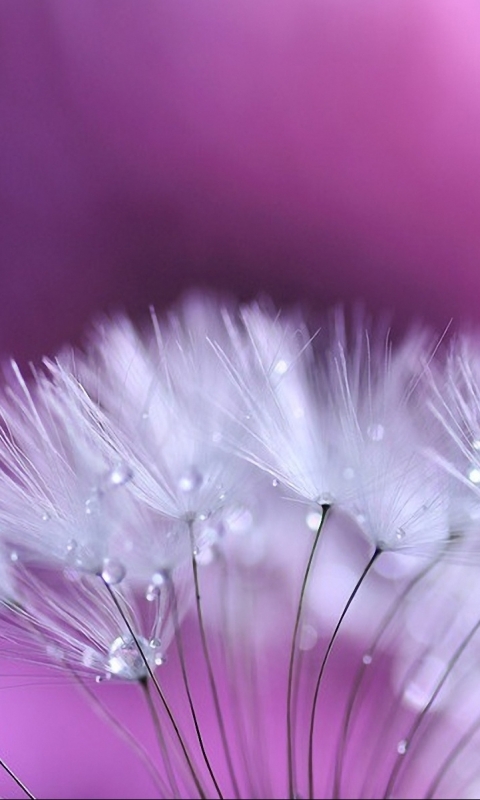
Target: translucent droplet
pixel 190 480
pixel 145 415
pixel 367 659
pixel 156 648
pixel 71 546
pixel 102 678
pixel 376 432
pixel 474 475
pixel 125 660
pixel 313 520
pixel 402 747
pixel 281 367
pixel 238 519
pixel 325 499
pixel 113 571
pixel 154 588
pixel 92 503
pixel 275 482
pixel 45 516
pixel 120 474
pixel 476 444
pixel 14 556
pixel 400 534
pixel 204 556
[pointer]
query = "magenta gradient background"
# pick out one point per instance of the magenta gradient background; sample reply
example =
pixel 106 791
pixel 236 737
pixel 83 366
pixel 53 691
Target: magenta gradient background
pixel 313 149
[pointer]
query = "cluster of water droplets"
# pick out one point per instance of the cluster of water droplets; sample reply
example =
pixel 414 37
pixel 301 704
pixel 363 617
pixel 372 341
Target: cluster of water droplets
pixel 133 658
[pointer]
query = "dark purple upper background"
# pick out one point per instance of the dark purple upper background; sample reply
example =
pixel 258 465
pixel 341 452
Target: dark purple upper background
pixel 312 149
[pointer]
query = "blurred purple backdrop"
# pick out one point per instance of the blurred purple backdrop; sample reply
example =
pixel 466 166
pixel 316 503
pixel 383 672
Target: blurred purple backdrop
pixel 311 150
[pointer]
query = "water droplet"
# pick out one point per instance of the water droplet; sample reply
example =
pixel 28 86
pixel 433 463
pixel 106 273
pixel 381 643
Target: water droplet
pixel 102 678
pixel 402 747
pixel 190 480
pixel 125 660
pixel 45 516
pixel 476 444
pixel 313 520
pixel 120 474
pixel 156 647
pixel 474 475
pixel 204 556
pixel 367 659
pixel 325 499
pixel 71 546
pixel 376 432
pixel 400 534
pixel 145 415
pixel 92 503
pixel 113 571
pixel 14 556
pixel 154 588
pixel 281 367
pixel 275 482
pixel 238 519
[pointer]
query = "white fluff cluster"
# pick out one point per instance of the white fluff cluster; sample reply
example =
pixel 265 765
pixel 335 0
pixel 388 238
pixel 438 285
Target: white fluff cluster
pixel 120 461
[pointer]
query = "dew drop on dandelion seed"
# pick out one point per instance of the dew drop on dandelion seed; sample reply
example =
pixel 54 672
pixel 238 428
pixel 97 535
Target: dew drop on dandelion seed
pixel 313 520
pixel 113 571
pixel 120 474
pixel 154 588
pixel 156 648
pixel 125 660
pixel 281 367
pixel 14 556
pixel 190 480
pixel 367 659
pixel 376 432
pixel 474 475
pixel 275 482
pixel 400 534
pixel 402 747
pixel 238 519
pixel 325 499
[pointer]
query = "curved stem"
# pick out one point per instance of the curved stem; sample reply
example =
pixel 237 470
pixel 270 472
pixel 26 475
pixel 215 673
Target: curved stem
pixel 211 677
pixel 324 664
pixel 159 690
pixel 183 669
pixel 418 721
pixel 359 676
pixel 16 779
pixel 293 650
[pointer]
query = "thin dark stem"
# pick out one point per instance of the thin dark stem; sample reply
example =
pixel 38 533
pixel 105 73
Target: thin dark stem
pixel 211 677
pixel 293 650
pixel 159 690
pixel 16 779
pixel 400 760
pixel 183 668
pixel 145 686
pixel 102 710
pixel 461 744
pixel 359 676
pixel 324 664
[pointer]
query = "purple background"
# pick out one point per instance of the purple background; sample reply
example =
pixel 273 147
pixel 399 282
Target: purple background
pixel 321 150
